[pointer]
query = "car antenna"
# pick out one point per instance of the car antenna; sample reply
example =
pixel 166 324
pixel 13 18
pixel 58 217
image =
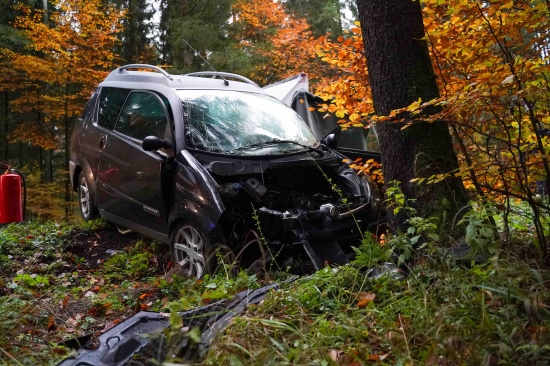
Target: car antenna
pixel 208 63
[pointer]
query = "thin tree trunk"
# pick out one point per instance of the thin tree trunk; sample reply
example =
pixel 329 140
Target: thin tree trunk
pixel 50 165
pixel 45 15
pixel 6 124
pixel 66 147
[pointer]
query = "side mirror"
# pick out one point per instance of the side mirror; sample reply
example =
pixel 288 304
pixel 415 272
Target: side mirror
pixel 152 143
pixel 331 140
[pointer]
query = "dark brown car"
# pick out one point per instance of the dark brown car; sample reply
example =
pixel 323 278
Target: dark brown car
pixel 207 163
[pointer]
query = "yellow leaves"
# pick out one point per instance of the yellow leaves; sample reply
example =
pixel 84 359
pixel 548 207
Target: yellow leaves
pixel 433 179
pixel 490 76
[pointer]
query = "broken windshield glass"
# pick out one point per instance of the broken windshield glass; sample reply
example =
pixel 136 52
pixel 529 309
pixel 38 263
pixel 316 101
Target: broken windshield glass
pixel 230 121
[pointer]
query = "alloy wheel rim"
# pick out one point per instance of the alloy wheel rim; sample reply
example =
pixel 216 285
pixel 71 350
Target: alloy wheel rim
pixel 84 193
pixel 189 251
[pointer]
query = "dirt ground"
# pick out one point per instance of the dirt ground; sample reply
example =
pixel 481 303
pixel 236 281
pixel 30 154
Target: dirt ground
pixel 94 247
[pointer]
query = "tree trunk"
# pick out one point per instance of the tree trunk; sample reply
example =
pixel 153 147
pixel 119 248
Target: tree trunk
pixel 67 155
pixel 45 16
pixel 6 124
pixel 400 72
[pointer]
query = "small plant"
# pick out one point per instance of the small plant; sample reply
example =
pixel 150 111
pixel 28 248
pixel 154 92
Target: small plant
pixel 371 253
pixel 128 265
pixel 421 231
pixel 480 235
pixel 31 280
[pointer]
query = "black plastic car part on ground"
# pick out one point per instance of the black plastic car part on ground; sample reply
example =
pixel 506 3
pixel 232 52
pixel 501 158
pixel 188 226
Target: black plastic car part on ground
pixel 140 339
pixel 208 164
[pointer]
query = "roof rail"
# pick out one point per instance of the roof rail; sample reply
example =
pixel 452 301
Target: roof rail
pixel 223 75
pixel 144 66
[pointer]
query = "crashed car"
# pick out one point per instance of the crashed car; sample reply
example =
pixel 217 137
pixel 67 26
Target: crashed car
pixel 208 162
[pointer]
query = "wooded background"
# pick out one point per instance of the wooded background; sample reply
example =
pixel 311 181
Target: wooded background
pixel 490 62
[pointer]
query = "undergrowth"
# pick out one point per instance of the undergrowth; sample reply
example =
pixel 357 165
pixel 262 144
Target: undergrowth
pixel 59 285
pixel 425 308
pixel 440 314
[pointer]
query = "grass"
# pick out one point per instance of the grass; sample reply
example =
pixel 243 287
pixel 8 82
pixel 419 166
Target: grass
pixel 444 312
pixel 441 313
pixel 57 284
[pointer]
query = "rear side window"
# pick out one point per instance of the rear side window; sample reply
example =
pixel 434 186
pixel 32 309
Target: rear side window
pixel 143 115
pixel 110 104
pixel 90 106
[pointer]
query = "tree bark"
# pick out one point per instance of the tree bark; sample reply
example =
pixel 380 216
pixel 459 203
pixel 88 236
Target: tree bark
pixel 400 72
pixel 6 124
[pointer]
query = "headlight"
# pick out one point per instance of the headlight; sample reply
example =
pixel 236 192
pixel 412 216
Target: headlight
pixel 371 191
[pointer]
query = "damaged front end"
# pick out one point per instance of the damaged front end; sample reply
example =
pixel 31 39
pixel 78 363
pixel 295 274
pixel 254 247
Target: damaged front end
pixel 277 183
pixel 304 208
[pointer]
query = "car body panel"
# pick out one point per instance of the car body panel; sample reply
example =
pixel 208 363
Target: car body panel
pixel 129 183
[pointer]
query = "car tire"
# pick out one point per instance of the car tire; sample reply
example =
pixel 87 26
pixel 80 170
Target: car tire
pixel 193 250
pixel 88 210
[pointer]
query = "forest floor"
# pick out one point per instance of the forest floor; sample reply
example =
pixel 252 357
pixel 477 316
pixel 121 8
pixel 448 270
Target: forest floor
pixel 66 283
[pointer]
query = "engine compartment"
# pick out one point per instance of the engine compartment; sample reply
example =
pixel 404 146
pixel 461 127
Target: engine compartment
pixel 293 207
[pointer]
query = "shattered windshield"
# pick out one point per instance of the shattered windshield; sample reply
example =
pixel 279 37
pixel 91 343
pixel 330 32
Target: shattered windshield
pixel 243 123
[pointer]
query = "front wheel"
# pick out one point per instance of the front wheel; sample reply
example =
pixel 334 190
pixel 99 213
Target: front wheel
pixel 88 210
pixel 191 250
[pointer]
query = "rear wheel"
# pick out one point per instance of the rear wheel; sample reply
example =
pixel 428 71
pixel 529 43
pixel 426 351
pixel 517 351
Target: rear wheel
pixel 88 210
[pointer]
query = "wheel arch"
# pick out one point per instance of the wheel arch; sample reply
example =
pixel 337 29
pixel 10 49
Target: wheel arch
pixel 82 165
pixel 187 210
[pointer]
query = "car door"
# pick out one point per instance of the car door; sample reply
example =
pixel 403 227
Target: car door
pixel 129 184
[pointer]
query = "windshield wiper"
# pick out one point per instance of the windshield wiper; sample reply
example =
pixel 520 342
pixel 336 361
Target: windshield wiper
pixel 279 141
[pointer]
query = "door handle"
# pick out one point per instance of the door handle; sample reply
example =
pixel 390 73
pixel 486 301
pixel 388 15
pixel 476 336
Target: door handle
pixel 102 142
pixel 140 175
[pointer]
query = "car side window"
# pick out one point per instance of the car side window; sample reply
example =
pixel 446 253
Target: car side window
pixel 143 114
pixel 373 144
pixel 90 106
pixel 110 103
pixel 359 138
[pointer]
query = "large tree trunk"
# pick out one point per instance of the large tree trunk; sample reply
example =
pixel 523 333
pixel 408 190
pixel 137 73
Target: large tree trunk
pixel 400 72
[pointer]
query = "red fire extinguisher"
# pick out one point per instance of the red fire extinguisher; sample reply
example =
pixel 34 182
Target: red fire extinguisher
pixel 13 192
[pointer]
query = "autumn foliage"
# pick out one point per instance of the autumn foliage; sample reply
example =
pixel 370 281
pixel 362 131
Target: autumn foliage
pixel 283 44
pixel 491 59
pixel 65 59
pixel 492 63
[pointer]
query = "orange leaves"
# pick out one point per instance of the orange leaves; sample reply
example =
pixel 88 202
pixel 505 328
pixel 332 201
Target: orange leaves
pixel 64 61
pixel 266 30
pixel 365 298
pixel 347 93
pixel 490 60
pixel 371 168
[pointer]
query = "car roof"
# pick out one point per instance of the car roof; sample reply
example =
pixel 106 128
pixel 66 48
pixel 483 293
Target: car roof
pixel 129 75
